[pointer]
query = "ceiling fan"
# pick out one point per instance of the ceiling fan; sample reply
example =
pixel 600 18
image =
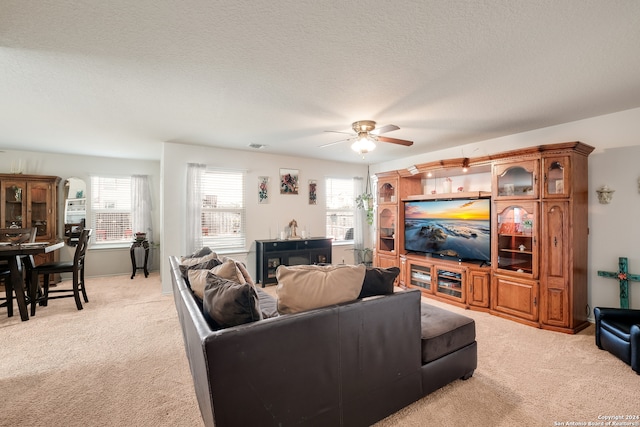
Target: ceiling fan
pixel 366 135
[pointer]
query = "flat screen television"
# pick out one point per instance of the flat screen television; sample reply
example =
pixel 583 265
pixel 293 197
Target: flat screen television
pixel 457 228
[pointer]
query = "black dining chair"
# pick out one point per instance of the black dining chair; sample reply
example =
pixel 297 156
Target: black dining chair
pixel 13 236
pixel 42 296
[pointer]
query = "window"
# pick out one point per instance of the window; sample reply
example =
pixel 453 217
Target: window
pixel 223 212
pixel 340 205
pixel 111 209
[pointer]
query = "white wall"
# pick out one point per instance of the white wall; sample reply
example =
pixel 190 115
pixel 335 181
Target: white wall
pixel 614 229
pixel 262 219
pixel 100 262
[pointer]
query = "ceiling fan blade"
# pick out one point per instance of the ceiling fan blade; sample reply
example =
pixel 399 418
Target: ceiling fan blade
pixel 333 143
pixel 395 141
pixel 339 131
pixel 384 129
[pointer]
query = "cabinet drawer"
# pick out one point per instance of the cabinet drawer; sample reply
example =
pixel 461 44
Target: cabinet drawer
pixel 313 244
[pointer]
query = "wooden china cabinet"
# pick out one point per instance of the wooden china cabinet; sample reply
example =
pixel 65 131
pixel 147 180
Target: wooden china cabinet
pixel 31 201
pixel 539 235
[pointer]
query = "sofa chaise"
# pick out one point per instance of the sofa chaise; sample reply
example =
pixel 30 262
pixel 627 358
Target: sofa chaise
pixel 348 364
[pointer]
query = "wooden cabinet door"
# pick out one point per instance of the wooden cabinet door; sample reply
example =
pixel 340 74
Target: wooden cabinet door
pixel 40 202
pixel 556 181
pixel 478 288
pixel 555 277
pixel 386 261
pixel 515 238
pixel 515 297
pixel 14 197
pixel 515 180
pixel 449 282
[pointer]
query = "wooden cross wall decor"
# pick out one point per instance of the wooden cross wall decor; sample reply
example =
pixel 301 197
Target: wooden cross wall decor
pixel 623 277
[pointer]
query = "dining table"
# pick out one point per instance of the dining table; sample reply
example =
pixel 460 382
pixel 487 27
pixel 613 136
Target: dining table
pixel 14 254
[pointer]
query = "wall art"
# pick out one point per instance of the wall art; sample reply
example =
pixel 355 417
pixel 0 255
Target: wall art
pixel 313 195
pixel 263 189
pixel 289 181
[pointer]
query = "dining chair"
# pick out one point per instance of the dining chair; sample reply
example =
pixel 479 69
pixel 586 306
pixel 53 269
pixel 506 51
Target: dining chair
pixel 42 296
pixel 13 236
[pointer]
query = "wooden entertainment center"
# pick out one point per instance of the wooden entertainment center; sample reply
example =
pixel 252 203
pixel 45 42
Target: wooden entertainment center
pixel 539 233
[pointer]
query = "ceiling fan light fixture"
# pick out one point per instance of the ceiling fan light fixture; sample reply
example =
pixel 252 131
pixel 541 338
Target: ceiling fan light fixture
pixel 363 144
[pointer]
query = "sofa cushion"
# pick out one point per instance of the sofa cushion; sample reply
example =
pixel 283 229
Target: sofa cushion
pixel 304 287
pixel 206 262
pixel 197 274
pixel 444 332
pixel 378 281
pixel 229 270
pixel 199 253
pixel 190 260
pixel 242 270
pixel 268 304
pixel 227 303
pixel 197 280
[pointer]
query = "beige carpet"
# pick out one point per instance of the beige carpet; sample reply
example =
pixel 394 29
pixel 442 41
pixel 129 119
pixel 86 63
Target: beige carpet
pixel 121 362
pixel 118 362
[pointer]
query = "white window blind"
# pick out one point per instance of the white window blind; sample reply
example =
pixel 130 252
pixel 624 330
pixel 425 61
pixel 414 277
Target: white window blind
pixel 340 205
pixel 223 210
pixel 111 209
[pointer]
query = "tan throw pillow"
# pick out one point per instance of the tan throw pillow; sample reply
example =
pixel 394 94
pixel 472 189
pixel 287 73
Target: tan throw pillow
pixel 228 270
pixel 304 287
pixel 243 270
pixel 198 281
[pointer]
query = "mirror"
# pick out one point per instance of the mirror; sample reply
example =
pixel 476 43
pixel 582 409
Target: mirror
pixel 75 212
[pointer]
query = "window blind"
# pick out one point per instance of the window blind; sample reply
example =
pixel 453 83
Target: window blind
pixel 223 209
pixel 111 209
pixel 340 203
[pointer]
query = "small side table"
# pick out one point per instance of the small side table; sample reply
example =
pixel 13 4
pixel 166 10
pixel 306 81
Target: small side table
pixel 140 244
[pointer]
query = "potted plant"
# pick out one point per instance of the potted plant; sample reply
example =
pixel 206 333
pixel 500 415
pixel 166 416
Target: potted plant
pixel 365 201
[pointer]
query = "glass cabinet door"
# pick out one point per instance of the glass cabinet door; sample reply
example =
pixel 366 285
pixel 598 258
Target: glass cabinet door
pixel 450 283
pixel 515 238
pixel 387 229
pixel 557 177
pixel 386 191
pixel 14 195
pixel 420 276
pixel 39 205
pixel 516 180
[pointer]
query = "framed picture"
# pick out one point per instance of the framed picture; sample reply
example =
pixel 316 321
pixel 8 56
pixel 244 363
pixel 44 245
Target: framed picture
pixel 289 181
pixel 313 195
pixel 263 189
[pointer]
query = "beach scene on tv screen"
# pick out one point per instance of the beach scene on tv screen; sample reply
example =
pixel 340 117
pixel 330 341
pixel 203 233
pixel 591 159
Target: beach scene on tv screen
pixel 452 228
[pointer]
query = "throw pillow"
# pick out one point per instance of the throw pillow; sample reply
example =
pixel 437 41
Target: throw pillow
pixel 227 303
pixel 228 270
pixel 189 260
pixel 198 281
pixel 200 253
pixel 378 281
pixel 203 263
pixel 304 287
pixel 242 269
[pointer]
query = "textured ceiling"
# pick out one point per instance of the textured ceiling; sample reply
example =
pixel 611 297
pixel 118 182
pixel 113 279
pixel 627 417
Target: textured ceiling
pixel 117 78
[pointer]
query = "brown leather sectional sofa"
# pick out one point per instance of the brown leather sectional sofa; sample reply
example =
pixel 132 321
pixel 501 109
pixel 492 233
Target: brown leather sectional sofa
pixel 348 364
